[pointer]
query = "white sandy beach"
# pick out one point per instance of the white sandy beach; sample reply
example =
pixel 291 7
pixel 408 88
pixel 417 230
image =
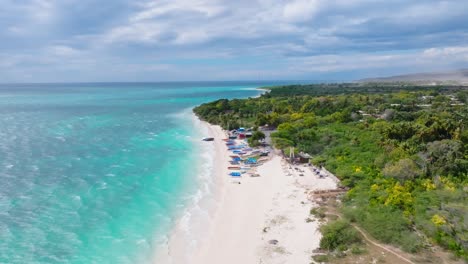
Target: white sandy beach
pixel 248 216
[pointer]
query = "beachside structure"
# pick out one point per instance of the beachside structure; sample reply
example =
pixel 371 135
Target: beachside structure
pixel 303 157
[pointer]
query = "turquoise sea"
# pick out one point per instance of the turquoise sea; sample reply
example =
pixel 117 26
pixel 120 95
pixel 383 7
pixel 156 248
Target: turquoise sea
pixel 98 173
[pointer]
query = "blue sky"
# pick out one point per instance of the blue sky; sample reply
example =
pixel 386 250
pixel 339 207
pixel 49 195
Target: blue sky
pixel 174 40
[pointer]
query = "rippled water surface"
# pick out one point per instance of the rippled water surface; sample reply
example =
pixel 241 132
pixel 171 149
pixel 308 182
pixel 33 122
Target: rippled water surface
pixel 97 173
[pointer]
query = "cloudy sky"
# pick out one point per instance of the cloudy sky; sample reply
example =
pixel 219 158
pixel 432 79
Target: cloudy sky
pixel 171 40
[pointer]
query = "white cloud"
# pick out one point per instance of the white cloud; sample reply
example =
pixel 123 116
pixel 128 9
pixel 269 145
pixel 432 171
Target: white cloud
pixel 136 32
pixel 155 9
pixel 15 30
pixel 192 37
pixel 145 26
pixel 63 51
pixel 37 11
pixel 41 10
pixel 300 10
pixel 456 53
pixel 433 58
pixel 267 37
pixel 202 21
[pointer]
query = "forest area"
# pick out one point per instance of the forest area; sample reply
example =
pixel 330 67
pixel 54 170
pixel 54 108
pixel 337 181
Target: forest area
pixel 402 150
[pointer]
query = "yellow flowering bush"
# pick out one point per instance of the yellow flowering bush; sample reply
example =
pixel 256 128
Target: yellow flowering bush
pixel 297 116
pixel 448 184
pixel 438 220
pixel 428 184
pixel 399 196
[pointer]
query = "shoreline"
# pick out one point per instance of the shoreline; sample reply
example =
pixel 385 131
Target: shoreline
pixel 182 240
pixel 263 91
pixel 239 221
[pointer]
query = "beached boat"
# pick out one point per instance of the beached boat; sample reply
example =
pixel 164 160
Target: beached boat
pixel 235 174
pixel 234 168
pixel 251 161
pixel 208 139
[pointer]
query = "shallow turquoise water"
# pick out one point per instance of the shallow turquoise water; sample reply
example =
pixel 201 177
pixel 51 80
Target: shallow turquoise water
pixel 96 173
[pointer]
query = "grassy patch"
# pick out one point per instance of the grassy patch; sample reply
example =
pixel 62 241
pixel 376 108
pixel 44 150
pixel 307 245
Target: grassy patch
pixel 321 258
pixel 338 235
pixel 319 212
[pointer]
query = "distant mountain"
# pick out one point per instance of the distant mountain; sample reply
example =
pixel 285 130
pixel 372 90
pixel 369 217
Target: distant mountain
pixel 458 76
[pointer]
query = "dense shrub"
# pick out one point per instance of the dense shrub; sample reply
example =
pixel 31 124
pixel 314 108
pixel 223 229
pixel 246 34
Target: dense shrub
pixel 337 234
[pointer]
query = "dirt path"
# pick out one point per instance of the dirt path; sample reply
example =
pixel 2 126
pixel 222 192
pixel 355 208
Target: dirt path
pixel 380 245
pixel 374 242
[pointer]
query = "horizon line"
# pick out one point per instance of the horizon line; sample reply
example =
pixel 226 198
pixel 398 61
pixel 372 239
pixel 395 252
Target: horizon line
pixel 168 82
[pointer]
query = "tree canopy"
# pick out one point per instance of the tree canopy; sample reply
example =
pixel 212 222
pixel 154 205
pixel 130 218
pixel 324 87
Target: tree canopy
pixel 401 149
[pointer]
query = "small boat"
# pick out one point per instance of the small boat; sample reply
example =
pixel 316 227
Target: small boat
pixel 208 139
pixel 235 174
pixel 233 168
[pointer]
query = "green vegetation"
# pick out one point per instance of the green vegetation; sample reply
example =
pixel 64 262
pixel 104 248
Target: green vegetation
pixel 339 235
pixel 318 212
pixel 321 258
pixel 256 137
pixel 402 150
